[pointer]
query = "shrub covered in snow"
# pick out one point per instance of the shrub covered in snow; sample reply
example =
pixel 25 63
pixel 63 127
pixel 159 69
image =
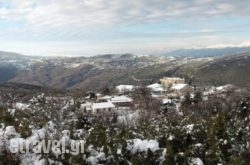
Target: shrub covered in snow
pixel 211 131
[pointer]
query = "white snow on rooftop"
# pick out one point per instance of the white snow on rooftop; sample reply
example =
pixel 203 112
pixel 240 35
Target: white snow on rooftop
pixel 179 86
pixel 165 101
pixel 125 87
pixel 224 87
pixel 103 105
pixel 155 85
pixel 220 88
pixel 119 99
pixel 106 97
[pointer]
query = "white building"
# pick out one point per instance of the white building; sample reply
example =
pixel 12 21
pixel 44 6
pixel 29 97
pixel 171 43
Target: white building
pixel 102 107
pixel 125 88
pixel 168 81
pixel 181 88
pixel 156 88
pixel 121 99
pixel 86 107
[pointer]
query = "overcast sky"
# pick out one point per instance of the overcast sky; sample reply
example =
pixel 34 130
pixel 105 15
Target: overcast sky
pixel 90 27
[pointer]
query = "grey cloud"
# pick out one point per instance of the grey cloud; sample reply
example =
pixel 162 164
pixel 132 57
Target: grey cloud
pixel 92 13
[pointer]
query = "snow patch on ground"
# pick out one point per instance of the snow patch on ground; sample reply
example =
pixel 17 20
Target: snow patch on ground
pixel 195 161
pixel 138 145
pixel 21 106
pixel 128 118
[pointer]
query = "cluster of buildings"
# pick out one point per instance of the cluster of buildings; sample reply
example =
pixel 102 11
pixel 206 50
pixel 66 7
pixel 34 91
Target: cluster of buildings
pixel 107 104
pixel 169 91
pixel 168 88
pixel 167 85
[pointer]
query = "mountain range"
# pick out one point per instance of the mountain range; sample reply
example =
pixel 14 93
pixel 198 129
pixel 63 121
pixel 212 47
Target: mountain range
pixel 208 52
pixel 94 73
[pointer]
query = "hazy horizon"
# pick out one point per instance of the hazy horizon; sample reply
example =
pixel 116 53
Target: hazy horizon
pixel 88 28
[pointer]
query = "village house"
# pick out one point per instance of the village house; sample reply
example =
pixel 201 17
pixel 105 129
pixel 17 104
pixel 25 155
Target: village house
pixel 169 81
pixel 125 88
pixel 156 88
pixel 168 104
pixel 224 89
pixel 102 107
pixel 121 101
pixel 90 107
pixel 220 90
pixel 118 101
pixel 104 98
pixel 181 89
pixel 86 107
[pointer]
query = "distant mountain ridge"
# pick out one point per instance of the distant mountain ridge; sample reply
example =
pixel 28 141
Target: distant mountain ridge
pixel 94 73
pixel 10 54
pixel 75 72
pixel 231 69
pixel 208 52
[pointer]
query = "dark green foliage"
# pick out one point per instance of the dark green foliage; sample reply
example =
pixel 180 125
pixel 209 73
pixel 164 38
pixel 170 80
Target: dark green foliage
pixel 187 99
pixel 197 97
pixel 6 117
pixel 83 122
pixel 9 158
pixel 215 130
